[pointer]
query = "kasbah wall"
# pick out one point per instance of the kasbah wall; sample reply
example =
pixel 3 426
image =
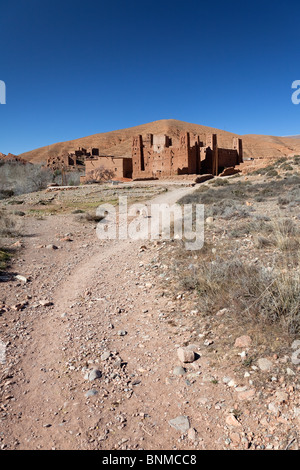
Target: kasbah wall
pixel 156 157
pixel 120 167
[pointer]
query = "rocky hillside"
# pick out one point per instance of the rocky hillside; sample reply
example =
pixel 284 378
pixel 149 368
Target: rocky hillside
pixel 119 142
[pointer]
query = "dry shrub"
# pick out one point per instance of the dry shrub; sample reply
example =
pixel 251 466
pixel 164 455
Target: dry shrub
pixel 4 258
pixel 8 228
pixel 285 235
pixel 87 217
pixel 8 224
pixel 249 290
pixel 17 178
pixel 268 295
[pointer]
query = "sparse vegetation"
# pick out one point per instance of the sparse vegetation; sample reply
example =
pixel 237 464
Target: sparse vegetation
pixel 17 178
pixel 89 218
pixel 4 258
pixel 8 228
pixel 260 283
pixel 8 224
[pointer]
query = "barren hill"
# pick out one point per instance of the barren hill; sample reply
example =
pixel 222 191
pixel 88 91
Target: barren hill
pixel 119 142
pixel 12 158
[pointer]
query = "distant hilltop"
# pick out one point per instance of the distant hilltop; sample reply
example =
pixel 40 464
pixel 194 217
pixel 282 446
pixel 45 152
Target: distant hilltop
pixel 13 158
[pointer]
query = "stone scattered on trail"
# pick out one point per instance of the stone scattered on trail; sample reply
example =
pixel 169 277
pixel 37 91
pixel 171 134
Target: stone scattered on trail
pixel 22 278
pixel 281 397
pixel 118 362
pixel 106 355
pixel 243 342
pixel 247 395
pixel 122 333
pixel 178 370
pixel 181 424
pixel 51 247
pixel 222 312
pixel 264 364
pixel 20 306
pixel 226 380
pixel 273 408
pixel 18 244
pixel 45 303
pixel 296 344
pixel 232 421
pixel 66 239
pixel 192 434
pixel 186 355
pixel 93 375
pixel 91 393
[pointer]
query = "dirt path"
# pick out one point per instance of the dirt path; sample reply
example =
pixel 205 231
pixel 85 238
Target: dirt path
pixel 104 293
pixel 109 317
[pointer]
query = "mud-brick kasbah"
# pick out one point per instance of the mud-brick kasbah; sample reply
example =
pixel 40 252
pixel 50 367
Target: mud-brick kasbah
pixel 156 157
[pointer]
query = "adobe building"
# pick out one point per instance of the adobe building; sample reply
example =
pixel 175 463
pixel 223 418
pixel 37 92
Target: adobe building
pixel 70 160
pixel 120 167
pixel 155 156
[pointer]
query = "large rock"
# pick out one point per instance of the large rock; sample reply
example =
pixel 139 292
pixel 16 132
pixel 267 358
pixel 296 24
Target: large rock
pixel 265 364
pixel 232 421
pixel 203 178
pixel 91 393
pixel 230 171
pixel 106 355
pixel 192 434
pixel 93 375
pixel 178 370
pixel 243 342
pixel 181 424
pixel 186 355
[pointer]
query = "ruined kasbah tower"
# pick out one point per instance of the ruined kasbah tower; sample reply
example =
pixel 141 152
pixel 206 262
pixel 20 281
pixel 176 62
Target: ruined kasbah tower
pixel 155 156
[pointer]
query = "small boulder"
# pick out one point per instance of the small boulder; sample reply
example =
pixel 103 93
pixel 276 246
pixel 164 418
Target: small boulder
pixel 46 303
pixel 186 355
pixel 192 434
pixel 181 424
pixel 243 342
pixel 122 333
pixel 178 370
pixel 265 364
pixel 232 421
pixel 106 355
pixel 93 375
pixel 91 393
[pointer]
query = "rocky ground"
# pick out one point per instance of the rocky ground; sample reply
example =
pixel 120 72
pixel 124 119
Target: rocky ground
pixel 104 350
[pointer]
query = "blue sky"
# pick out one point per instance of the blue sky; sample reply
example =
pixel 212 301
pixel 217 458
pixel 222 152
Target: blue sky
pixel 75 68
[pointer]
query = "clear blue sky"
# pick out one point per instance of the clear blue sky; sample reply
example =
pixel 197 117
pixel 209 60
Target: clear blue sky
pixel 74 68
